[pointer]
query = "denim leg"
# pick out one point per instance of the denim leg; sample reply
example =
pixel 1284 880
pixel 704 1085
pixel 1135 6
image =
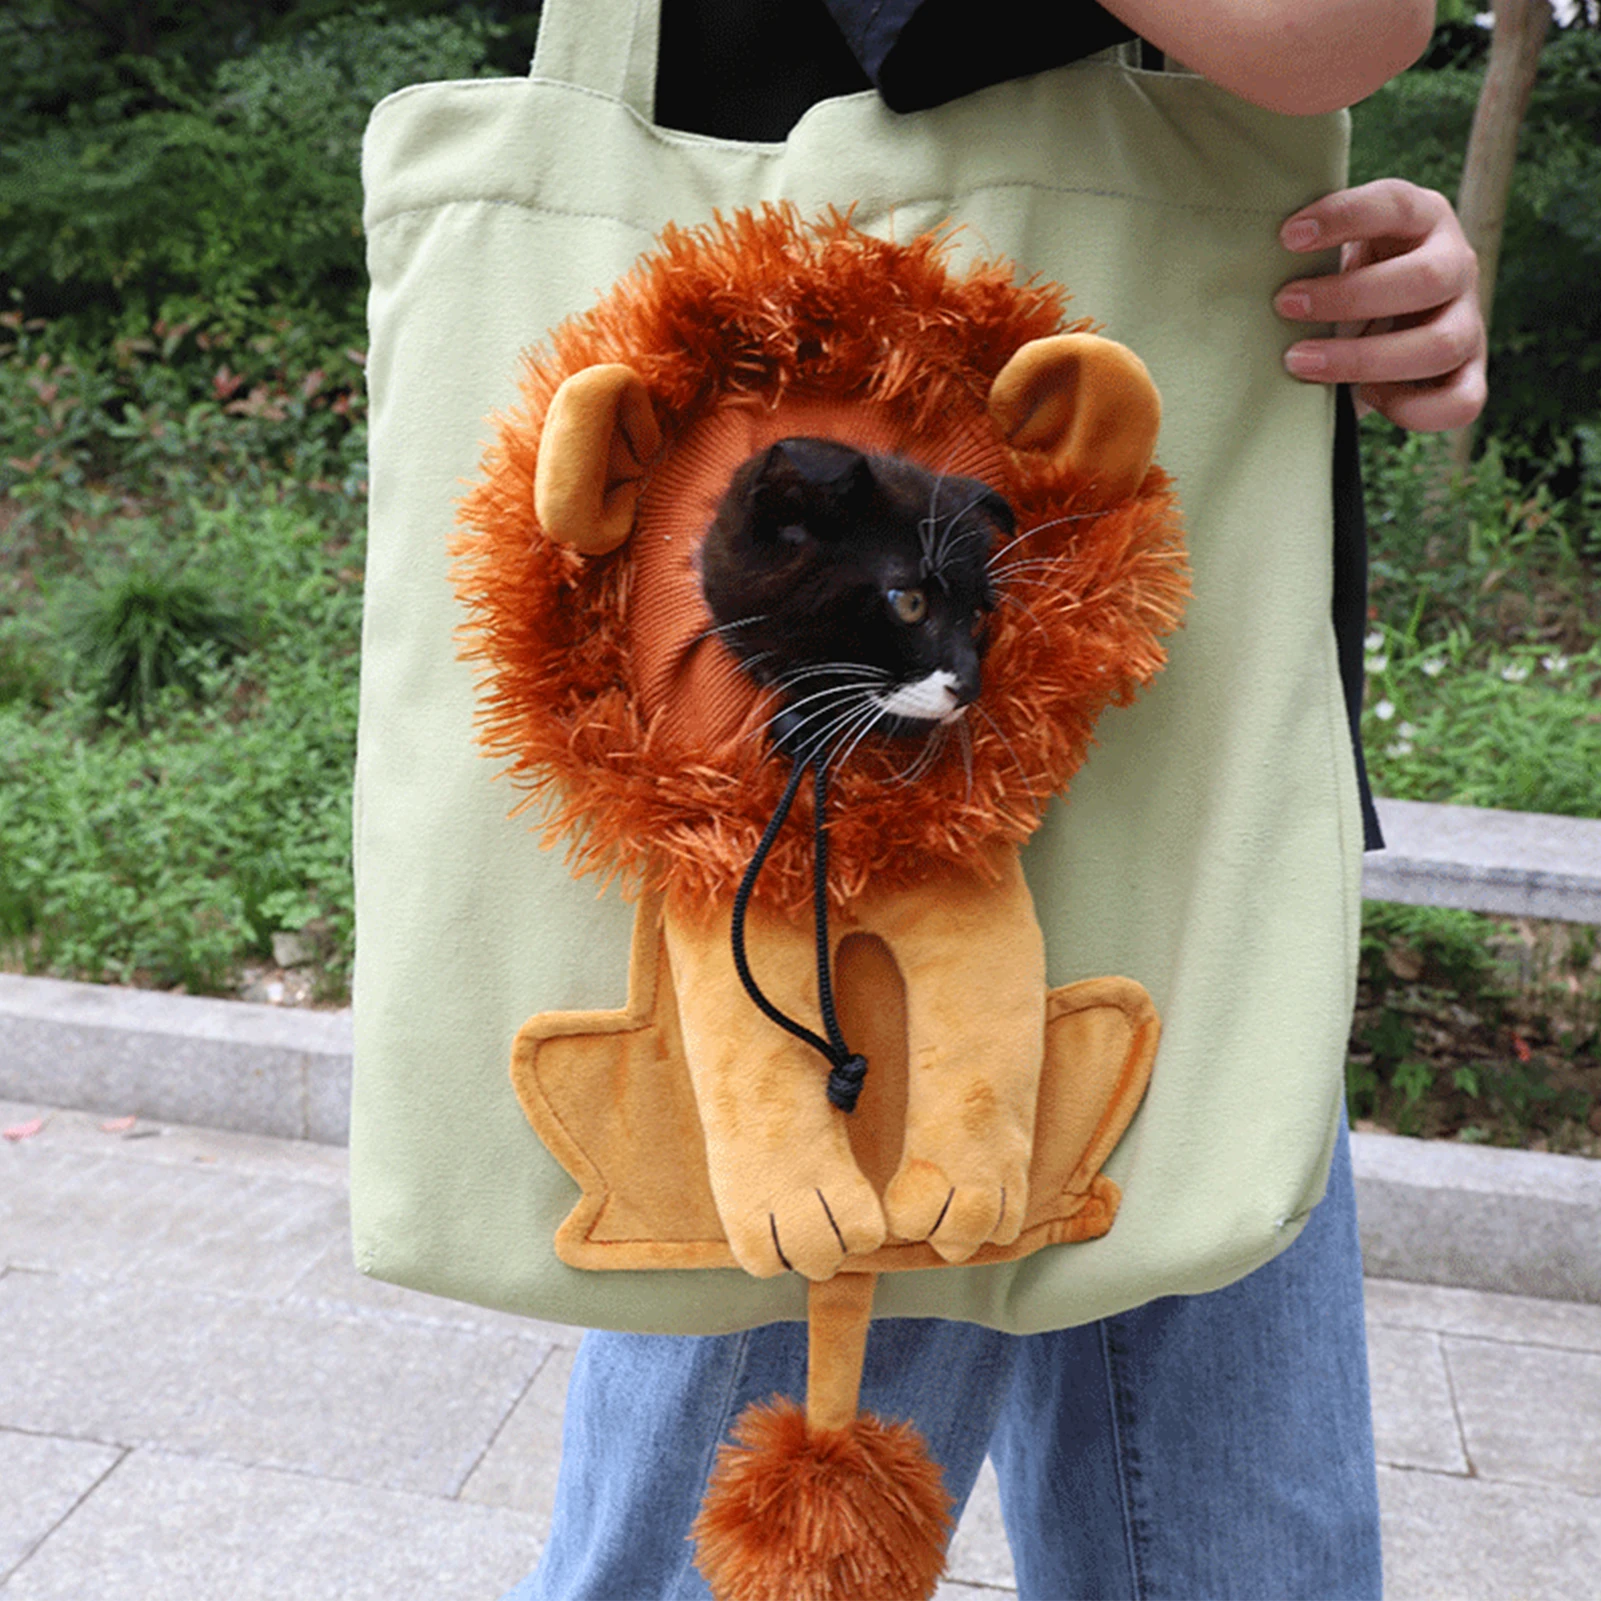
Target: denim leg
pixel 1204 1446
pixel 646 1413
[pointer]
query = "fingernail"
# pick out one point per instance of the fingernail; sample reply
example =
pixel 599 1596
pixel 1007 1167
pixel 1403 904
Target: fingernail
pixel 1301 234
pixel 1295 303
pixel 1305 361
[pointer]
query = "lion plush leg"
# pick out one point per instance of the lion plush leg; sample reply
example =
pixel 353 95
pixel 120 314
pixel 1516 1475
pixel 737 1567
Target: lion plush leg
pixel 787 1188
pixel 973 959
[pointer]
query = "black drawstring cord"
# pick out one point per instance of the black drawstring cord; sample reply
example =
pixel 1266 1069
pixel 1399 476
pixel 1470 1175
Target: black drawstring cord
pixel 848 1070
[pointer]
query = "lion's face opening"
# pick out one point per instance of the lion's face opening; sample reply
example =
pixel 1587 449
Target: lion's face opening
pixel 616 690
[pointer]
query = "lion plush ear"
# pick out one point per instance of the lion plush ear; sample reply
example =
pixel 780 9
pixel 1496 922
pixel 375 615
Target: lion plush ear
pixel 599 439
pixel 1085 402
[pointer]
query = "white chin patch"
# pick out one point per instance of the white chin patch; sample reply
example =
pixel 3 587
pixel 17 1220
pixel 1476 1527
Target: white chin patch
pixel 928 700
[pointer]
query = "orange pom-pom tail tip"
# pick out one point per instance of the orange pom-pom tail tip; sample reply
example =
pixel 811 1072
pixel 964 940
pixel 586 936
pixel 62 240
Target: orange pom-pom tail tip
pixel 793 1514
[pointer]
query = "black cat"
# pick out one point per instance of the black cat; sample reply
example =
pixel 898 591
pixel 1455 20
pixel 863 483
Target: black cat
pixel 855 586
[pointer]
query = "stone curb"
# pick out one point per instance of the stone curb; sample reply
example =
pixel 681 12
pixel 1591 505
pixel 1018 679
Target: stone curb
pixel 1514 864
pixel 176 1058
pixel 1520 1222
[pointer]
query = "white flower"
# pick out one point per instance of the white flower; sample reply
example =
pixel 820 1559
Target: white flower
pixel 1384 711
pixel 1373 642
pixel 1377 664
pixel 1515 672
pixel 1402 747
pixel 1434 666
pixel 1555 665
pixel 1407 731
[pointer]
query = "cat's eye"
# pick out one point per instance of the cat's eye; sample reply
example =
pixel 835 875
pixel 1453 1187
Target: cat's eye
pixel 910 605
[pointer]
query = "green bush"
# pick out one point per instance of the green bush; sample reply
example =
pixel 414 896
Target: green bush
pixel 169 855
pixel 1451 1038
pixel 238 188
pixel 148 631
pixel 1484 654
pixel 173 415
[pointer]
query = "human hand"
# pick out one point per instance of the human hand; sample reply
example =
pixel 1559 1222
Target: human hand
pixel 1409 335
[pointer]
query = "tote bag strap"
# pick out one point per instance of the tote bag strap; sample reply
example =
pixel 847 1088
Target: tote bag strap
pixel 608 46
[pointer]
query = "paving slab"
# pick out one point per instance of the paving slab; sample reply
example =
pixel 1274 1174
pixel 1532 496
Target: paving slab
pixel 979 1554
pixel 1414 1417
pixel 177 1439
pixel 42 1480
pixel 407 1406
pixel 111 1129
pixel 165 1527
pixel 334 1282
pixel 1529 1414
pixel 520 1467
pixel 1450 1538
pixel 206 1227
pixel 1515 1319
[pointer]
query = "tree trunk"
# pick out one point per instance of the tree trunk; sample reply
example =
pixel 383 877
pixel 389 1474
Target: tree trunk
pixel 1515 45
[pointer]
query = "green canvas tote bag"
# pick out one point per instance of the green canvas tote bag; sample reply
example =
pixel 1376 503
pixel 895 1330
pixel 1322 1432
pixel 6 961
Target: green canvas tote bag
pixel 1210 847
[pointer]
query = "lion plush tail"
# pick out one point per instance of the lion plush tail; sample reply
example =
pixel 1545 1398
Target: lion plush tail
pixel 828 1504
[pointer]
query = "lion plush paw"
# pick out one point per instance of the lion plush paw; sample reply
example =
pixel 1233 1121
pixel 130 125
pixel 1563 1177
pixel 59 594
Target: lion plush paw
pixel 956 1214
pixel 808 1229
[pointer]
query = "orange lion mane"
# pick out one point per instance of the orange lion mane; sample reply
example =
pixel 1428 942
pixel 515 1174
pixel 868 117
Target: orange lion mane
pixel 766 311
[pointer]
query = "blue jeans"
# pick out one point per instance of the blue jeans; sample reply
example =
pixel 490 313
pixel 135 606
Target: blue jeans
pixel 1200 1446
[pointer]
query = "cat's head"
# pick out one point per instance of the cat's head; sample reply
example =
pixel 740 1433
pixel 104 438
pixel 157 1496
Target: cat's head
pixel 856 586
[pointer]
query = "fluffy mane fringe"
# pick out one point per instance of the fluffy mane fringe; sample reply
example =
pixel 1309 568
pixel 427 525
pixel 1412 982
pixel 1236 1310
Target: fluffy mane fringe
pixel 748 310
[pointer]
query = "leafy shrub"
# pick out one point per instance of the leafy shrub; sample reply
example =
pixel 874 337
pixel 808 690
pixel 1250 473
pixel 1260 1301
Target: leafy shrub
pixel 1451 1037
pixel 170 855
pixel 174 413
pixel 1501 559
pixel 149 631
pixel 241 188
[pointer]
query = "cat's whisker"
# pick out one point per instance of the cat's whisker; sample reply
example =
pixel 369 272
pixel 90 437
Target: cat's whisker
pixel 820 743
pixel 726 628
pixel 859 682
pixel 1041 528
pixel 868 723
pixel 1000 734
pixel 818 722
pixel 833 693
pixel 927 525
pixel 927 754
pixel 1028 564
pixel 834 721
pixel 964 737
pixel 943 548
pixel 1035 573
pixel 1024 607
pixel 857 672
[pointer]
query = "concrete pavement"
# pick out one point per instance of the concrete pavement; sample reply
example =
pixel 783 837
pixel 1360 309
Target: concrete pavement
pixel 200 1400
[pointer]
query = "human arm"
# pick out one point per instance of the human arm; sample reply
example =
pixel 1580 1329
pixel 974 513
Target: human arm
pixel 1410 335
pixel 1295 56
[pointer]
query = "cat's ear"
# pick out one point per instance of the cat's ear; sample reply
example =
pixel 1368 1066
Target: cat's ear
pixel 599 440
pixel 809 483
pixel 1085 402
pixel 998 510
